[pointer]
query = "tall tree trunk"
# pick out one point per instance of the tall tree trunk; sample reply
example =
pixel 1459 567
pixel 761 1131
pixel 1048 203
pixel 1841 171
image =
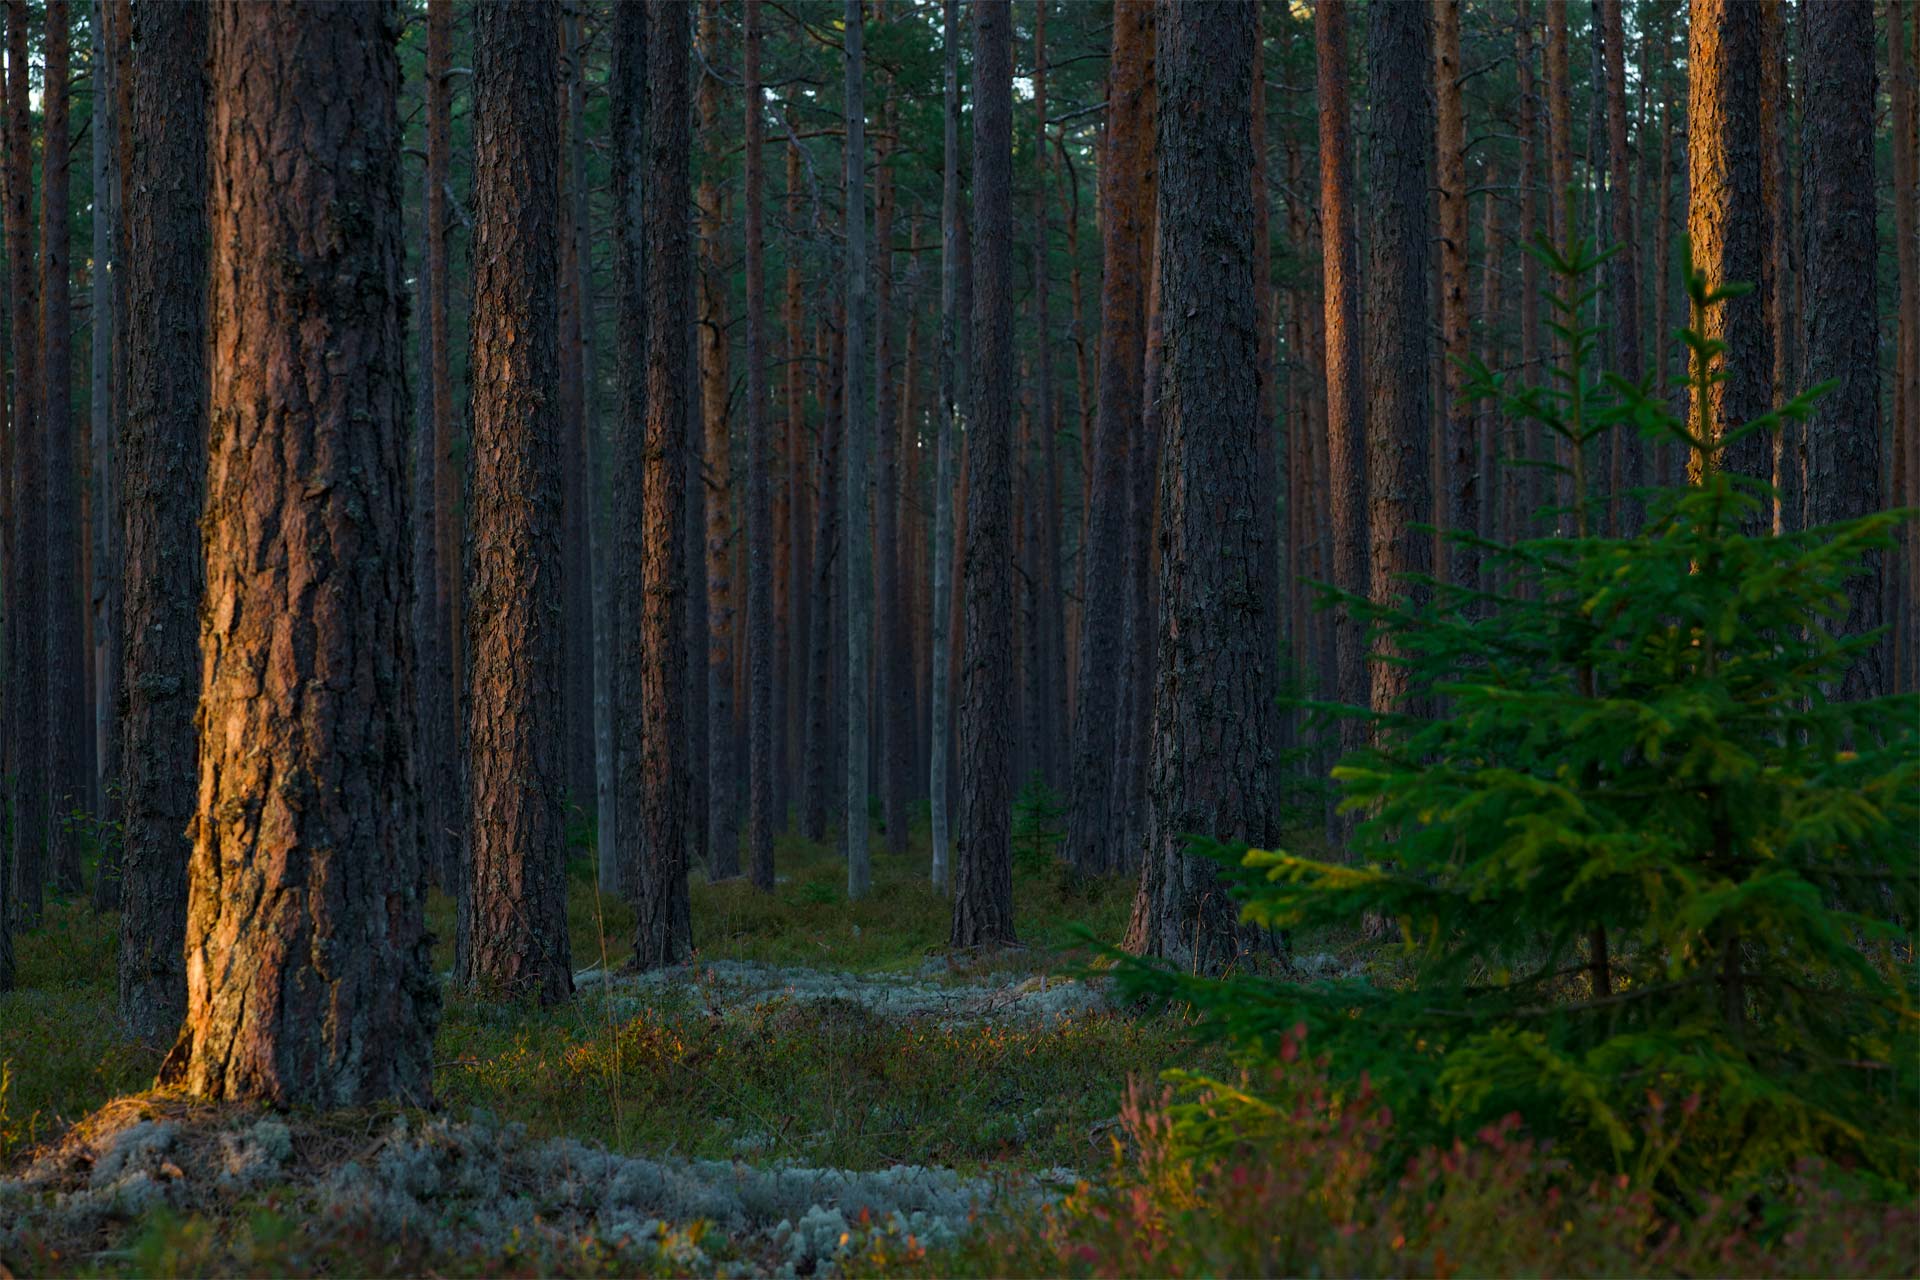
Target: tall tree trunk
pixel 892 673
pixel 513 918
pixel 28 708
pixel 1726 224
pixel 1528 487
pixel 1560 212
pixel 760 620
pixel 983 875
pixel 449 586
pixel 576 578
pixel 953 376
pixel 107 404
pixel 1623 270
pixel 1095 826
pixel 858 495
pixel 1842 327
pixel 1049 618
pixel 799 481
pixel 310 977
pixel 1906 384
pixel 651 474
pixel 1399 60
pixel 1346 406
pixel 1789 445
pixel 723 820
pixel 822 727
pixel 1211 762
pixel 162 455
pixel 68 768
pixel 1455 561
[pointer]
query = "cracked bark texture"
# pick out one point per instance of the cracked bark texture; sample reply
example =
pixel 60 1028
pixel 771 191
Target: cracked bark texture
pixel 1095 825
pixel 1399 426
pixel 513 924
pixel 651 480
pixel 309 967
pixel 1842 329
pixel 983 870
pixel 1210 763
pixel 162 455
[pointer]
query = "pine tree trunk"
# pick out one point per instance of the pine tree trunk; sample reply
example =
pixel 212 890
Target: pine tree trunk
pixel 1050 615
pixel 68 770
pixel 1842 327
pixel 1095 826
pixel 760 612
pixel 1527 486
pixel 513 926
pixel 1789 445
pixel 576 586
pixel 822 727
pixel 1210 760
pixel 1399 62
pixel 893 665
pixel 799 484
pixel 309 965
pixel 1903 16
pixel 1623 270
pixel 1455 562
pixel 164 459
pixel 1560 210
pixel 652 56
pixel 855 478
pixel 1726 224
pixel 104 404
pixel 28 708
pixel 449 586
pixel 983 873
pixel 947 430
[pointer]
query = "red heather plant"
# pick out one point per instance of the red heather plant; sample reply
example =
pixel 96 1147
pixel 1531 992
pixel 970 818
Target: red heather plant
pixel 1292 1178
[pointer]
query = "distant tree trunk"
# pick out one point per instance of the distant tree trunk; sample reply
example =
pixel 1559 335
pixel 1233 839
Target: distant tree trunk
pixel 1346 405
pixel 28 708
pixel 162 455
pixel 67 720
pixel 106 404
pixel 1139 641
pixel 1399 61
pixel 1623 271
pixel 779 479
pixel 822 727
pixel 859 495
pixel 948 429
pixel 627 132
pixel 799 481
pixel 1788 461
pixel 1455 562
pixel 1527 486
pixel 1558 489
pixel 694 485
pixel 652 519
pixel 1842 327
pixel 1095 824
pixel 1049 615
pixel 1211 767
pixel 576 585
pixel 310 967
pixel 449 586
pixel 513 923
pixel 1267 587
pixel 760 621
pixel 1727 224
pixel 1493 335
pixel 983 875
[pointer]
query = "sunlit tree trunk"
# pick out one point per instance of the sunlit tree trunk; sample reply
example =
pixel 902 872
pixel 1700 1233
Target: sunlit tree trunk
pixel 983 874
pixel 309 974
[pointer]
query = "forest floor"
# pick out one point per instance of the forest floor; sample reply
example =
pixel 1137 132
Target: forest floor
pixel 822 1089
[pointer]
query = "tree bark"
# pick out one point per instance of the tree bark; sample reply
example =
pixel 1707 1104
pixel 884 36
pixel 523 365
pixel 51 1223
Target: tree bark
pixel 983 874
pixel 1528 486
pixel 1726 224
pixel 1623 270
pixel 1211 767
pixel 760 620
pixel 652 513
pixel 447 514
pixel 822 752
pixel 1455 563
pixel 1095 824
pixel 105 404
pixel 799 479
pixel 1842 328
pixel 1399 58
pixel 513 927
pixel 28 709
pixel 855 477
pixel 948 429
pixel 576 586
pixel 1346 405
pixel 163 458
pixel 893 716
pixel 309 968
pixel 68 771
